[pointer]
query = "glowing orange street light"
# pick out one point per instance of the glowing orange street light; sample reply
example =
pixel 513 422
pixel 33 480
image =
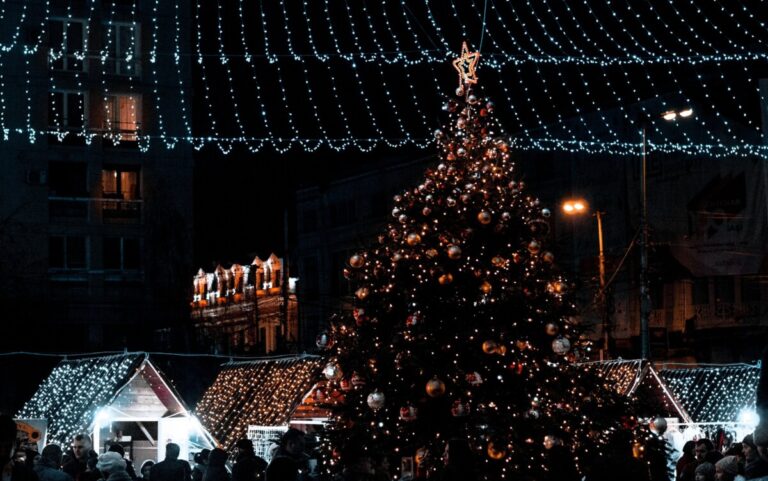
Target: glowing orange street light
pixel 580 207
pixel 575 206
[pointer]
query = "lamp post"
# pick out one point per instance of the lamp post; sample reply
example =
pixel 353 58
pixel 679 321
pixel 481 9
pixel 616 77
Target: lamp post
pixel 579 207
pixel 645 298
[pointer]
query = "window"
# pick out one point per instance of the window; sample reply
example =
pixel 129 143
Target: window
pixel 701 291
pixel 122 46
pixel 66 42
pixel 123 114
pixel 120 183
pixel 120 253
pixel 67 252
pixel 342 213
pixel 309 221
pixel 67 179
pixel 66 110
pixel 379 204
pixel 750 289
pixel 724 292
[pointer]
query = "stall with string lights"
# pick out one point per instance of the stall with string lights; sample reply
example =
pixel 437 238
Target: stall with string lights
pixel 258 399
pixel 719 398
pixel 123 399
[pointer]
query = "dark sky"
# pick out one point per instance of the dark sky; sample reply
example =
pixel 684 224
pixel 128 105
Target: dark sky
pixel 240 198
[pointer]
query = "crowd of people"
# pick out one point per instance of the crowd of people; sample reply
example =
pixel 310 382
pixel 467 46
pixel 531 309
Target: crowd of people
pixel 81 463
pixel 701 461
pixel 742 461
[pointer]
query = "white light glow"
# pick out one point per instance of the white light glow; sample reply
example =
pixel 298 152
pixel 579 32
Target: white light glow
pixel 686 113
pixel 669 115
pixel 749 418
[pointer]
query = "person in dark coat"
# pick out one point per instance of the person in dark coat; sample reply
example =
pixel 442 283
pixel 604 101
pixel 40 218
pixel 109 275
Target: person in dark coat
pixel 687 458
pixel 201 462
pixel 248 466
pixel 289 463
pixel 216 471
pixel 146 466
pixel 76 459
pixel 171 468
pixel 8 446
pixel 48 467
pixel 282 468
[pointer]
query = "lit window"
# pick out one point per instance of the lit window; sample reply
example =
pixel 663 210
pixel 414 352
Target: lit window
pixel 123 116
pixel 120 183
pixel 66 43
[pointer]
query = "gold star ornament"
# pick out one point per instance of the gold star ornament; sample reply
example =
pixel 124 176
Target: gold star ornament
pixel 466 65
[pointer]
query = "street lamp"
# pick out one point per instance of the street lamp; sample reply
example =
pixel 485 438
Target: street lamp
pixel 579 207
pixel 645 298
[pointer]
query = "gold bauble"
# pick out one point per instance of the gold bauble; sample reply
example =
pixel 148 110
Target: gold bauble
pixel 548 257
pixel 362 293
pixel 496 451
pixel 552 328
pixel 413 239
pixel 435 387
pixel 534 247
pixel 356 261
pixel 489 347
pixel 486 287
pixel 445 279
pixel 484 217
pixel 454 252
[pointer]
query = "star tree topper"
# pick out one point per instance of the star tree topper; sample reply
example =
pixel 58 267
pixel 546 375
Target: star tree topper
pixel 466 65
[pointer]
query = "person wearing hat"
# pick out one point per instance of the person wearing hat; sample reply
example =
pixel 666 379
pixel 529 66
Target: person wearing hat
pixel 247 466
pixel 727 469
pixel 201 463
pixel 704 472
pixel 112 467
pixel 49 466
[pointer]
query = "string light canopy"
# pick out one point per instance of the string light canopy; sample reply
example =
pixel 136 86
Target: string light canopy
pixel 716 394
pixel 76 389
pixel 575 76
pixel 261 393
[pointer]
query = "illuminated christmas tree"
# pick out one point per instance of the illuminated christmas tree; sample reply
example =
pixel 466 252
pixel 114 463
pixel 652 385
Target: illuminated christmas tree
pixel 462 327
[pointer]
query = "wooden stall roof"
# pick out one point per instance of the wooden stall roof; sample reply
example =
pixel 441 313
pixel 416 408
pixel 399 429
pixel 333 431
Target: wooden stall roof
pixel 259 392
pixel 76 389
pixel 714 394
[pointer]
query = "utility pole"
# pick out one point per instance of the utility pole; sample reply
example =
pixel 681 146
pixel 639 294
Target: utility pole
pixel 645 299
pixel 601 266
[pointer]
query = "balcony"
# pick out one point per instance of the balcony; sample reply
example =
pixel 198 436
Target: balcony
pixel 68 208
pixel 123 135
pixel 120 211
pixel 109 211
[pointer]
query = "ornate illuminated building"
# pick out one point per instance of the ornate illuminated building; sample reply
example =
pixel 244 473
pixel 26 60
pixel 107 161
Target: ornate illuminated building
pixel 95 226
pixel 246 308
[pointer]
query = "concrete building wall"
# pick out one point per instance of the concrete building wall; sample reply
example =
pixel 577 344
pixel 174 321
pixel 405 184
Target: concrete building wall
pixel 82 260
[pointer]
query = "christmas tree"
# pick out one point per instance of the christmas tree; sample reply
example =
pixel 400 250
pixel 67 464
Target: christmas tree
pixel 462 327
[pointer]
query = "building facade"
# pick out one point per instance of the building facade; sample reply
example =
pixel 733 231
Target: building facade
pixel 246 309
pixel 95 207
